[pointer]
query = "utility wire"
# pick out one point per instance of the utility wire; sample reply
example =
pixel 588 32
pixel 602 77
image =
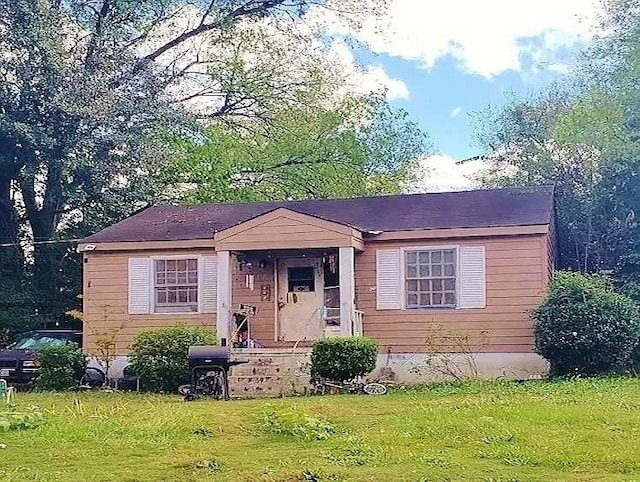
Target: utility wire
pixel 52 241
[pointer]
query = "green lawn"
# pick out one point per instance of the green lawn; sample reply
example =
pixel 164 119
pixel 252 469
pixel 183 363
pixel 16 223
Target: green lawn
pixel 577 431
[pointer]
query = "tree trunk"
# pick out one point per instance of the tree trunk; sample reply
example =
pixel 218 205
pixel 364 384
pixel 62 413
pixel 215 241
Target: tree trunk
pixel 43 222
pixel 11 255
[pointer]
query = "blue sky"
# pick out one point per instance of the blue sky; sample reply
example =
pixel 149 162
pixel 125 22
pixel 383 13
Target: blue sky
pixel 445 101
pixel 444 61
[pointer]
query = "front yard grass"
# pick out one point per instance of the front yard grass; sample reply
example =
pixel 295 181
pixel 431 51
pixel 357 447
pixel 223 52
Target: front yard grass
pixel 584 430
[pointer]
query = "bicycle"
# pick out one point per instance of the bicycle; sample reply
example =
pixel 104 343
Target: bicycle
pixel 210 383
pixel 303 370
pixel 324 386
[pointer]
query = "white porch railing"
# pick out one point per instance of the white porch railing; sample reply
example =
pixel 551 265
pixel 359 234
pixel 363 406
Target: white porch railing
pixel 331 318
pixel 356 323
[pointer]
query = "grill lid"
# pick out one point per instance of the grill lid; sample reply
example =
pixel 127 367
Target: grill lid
pixel 208 355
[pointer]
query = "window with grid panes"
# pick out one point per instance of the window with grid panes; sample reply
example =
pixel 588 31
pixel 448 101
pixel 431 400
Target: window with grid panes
pixel 176 285
pixel 430 278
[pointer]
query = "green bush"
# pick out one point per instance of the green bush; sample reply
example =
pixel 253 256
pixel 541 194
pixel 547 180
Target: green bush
pixel 584 327
pixel 343 358
pixel 159 356
pixel 61 367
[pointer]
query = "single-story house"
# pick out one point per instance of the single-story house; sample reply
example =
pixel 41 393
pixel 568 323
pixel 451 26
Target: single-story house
pixel 278 275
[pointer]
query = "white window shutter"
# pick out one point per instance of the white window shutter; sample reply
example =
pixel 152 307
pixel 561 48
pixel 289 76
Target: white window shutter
pixel 208 270
pixel 140 286
pixel 472 277
pixel 388 282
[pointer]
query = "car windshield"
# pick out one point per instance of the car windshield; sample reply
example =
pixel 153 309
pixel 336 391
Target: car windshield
pixel 35 342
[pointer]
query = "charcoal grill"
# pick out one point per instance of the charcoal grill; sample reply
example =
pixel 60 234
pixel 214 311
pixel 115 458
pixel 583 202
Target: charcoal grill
pixel 209 366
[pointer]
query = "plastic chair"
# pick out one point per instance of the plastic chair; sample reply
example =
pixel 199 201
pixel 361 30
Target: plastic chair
pixel 6 391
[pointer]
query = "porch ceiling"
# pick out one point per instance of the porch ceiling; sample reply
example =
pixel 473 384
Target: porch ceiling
pixel 286 229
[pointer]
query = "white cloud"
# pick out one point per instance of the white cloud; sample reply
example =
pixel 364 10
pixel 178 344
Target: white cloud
pixel 369 78
pixel 486 37
pixel 442 173
pixel 456 111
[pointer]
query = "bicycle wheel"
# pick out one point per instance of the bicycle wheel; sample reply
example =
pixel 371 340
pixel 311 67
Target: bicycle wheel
pixel 185 390
pixel 93 378
pixel 220 387
pixel 374 388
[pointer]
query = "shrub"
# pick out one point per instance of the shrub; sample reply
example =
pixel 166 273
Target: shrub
pixel 61 367
pixel 343 358
pixel 159 356
pixel 584 327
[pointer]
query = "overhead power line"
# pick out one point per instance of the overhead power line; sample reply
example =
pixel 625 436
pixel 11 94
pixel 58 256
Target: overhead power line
pixel 52 241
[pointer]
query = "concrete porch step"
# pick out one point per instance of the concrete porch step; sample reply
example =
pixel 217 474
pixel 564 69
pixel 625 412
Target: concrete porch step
pixel 267 386
pixel 268 373
pixel 248 370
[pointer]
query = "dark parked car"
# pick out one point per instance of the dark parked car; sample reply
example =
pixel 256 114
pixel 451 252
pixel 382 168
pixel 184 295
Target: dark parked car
pixel 18 361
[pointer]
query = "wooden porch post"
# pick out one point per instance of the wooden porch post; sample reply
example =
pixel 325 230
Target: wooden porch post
pixel 346 259
pixel 223 306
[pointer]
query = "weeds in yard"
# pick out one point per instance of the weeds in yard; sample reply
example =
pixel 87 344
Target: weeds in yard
pixel 352 455
pixel 312 475
pixel 78 409
pixel 210 466
pixel 451 354
pixel 293 422
pixel 440 460
pixel 15 420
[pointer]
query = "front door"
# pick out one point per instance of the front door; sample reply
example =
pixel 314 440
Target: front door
pixel 300 299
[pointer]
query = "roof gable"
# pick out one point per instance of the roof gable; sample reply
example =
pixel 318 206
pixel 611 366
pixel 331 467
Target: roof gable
pixel 283 228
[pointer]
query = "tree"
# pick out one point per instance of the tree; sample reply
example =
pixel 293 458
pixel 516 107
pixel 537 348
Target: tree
pixel 360 147
pixel 70 146
pixel 525 150
pixel 582 137
pixel 89 90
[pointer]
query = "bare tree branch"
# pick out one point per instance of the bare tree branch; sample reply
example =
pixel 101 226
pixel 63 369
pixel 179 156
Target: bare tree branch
pixel 254 8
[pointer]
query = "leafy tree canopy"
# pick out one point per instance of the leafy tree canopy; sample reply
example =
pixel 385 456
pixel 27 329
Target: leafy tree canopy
pixel 107 106
pixel 582 137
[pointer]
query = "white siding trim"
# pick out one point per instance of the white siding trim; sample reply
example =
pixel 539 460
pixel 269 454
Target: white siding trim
pixel 388 279
pixel 473 290
pixel 139 294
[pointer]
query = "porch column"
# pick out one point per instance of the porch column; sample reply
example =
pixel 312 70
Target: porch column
pixel 223 302
pixel 346 259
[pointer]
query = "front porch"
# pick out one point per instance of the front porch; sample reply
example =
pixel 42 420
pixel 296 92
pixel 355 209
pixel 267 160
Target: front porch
pixel 286 299
pixel 286 279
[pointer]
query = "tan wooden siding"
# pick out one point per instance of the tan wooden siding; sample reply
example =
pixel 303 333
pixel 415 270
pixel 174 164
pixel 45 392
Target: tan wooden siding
pixel 284 229
pixel 517 272
pixel 518 268
pixel 105 300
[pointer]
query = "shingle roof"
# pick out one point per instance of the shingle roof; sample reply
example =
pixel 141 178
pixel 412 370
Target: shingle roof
pixel 465 209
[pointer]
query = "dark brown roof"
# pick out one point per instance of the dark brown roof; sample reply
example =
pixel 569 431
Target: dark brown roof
pixel 465 209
